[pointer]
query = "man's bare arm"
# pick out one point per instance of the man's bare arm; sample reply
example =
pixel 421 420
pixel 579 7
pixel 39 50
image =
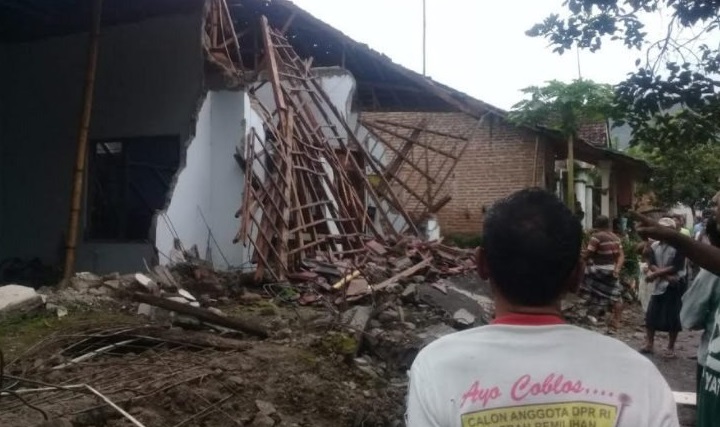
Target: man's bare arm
pixel 706 256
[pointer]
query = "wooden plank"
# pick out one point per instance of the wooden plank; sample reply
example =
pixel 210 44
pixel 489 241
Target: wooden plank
pixel 405 273
pixel 439 205
pixel 242 325
pixel 403 137
pixel 328 103
pixel 273 68
pixel 421 128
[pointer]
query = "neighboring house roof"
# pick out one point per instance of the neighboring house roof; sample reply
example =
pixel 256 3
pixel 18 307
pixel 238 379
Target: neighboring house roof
pixel 375 72
pixel 595 133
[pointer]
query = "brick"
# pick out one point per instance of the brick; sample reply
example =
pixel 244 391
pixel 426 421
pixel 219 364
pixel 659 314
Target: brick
pixel 498 161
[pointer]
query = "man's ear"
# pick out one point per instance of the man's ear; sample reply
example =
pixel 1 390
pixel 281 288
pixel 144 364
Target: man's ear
pixel 482 266
pixel 576 277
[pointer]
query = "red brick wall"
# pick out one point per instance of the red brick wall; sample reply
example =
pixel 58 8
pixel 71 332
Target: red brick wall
pixel 498 160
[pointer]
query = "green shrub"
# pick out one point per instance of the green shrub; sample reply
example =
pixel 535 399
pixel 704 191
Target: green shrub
pixel 466 241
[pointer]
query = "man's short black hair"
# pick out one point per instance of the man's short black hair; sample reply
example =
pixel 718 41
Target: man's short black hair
pixel 712 232
pixel 532 245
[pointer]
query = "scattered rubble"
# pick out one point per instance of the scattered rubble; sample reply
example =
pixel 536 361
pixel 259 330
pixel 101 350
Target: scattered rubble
pixel 248 332
pixel 16 299
pixel 230 348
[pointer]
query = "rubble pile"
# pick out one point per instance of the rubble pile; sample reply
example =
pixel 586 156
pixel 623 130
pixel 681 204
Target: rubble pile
pixel 217 347
pixel 318 183
pixel 349 284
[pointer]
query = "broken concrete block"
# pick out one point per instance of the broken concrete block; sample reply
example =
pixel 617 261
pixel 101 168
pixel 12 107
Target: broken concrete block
pixel 113 284
pixel 434 332
pixel 389 315
pixel 147 282
pixel 262 420
pixel 187 295
pixel 265 408
pixel 409 294
pixel 61 312
pixel 16 299
pixel 463 319
pixel 146 310
pixel 217 311
pixel 178 299
pixel 402 263
pixel 376 247
pixel 58 310
pixel 357 287
pixel 357 318
pixel 84 281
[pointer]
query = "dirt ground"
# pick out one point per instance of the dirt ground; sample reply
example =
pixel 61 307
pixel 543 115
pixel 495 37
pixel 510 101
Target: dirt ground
pixel 680 371
pixel 305 375
pixel 309 373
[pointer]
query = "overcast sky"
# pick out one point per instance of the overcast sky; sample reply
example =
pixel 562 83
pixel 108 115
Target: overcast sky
pixel 476 46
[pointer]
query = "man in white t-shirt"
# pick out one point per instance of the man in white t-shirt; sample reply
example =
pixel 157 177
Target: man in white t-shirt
pixel 529 368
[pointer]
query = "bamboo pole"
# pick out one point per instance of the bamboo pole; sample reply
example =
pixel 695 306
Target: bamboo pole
pixel 81 159
pixel 571 173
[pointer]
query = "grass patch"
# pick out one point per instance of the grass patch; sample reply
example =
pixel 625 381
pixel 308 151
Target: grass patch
pixel 18 334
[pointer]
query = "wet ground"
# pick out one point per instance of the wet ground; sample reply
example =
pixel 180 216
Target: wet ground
pixel 679 371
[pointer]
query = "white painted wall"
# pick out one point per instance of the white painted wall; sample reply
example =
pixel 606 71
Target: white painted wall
pixel 209 189
pixel 190 194
pixel 148 82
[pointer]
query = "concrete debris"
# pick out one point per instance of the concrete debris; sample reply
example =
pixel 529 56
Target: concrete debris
pixel 357 318
pixel 262 420
pixel 147 282
pixel 187 295
pixel 434 332
pixel 16 299
pixel 58 310
pixel 84 281
pixel 463 318
pixel 265 408
pixel 409 294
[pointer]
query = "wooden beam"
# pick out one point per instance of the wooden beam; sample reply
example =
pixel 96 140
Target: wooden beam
pixel 403 137
pixel 246 326
pixel 419 127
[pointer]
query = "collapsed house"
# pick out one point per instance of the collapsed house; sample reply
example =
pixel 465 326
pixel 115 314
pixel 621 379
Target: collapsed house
pixel 244 132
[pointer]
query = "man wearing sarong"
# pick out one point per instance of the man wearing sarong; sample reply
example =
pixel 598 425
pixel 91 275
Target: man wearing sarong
pixel 604 259
pixel 668 277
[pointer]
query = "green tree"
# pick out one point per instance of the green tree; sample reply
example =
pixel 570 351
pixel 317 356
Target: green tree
pixel 680 175
pixel 564 107
pixel 671 98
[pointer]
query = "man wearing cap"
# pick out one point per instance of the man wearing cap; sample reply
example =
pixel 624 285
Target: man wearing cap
pixel 667 278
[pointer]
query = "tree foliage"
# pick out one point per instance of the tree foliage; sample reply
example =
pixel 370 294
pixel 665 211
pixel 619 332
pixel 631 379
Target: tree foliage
pixel 671 98
pixel 680 175
pixel 563 106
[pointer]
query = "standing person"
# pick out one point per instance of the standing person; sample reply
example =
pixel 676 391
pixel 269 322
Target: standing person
pixel 700 303
pixel 667 275
pixel 644 291
pixel 699 226
pixel 707 257
pixel 528 364
pixel 604 259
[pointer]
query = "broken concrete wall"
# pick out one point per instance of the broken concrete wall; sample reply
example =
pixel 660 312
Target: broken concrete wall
pixel 209 187
pixel 149 78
